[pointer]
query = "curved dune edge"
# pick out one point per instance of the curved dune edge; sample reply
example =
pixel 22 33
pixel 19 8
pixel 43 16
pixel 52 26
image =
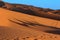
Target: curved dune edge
pixel 12 31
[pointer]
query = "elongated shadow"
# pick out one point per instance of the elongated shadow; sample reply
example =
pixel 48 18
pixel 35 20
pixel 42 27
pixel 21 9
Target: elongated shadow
pixel 19 23
pixel 54 31
pixel 35 24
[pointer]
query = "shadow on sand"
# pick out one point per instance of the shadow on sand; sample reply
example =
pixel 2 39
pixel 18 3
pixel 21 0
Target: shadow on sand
pixel 29 24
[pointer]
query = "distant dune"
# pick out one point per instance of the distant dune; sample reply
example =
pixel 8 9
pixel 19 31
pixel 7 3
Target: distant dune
pixel 23 22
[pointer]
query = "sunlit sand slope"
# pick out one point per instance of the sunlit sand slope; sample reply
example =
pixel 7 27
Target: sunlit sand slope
pixel 6 14
pixel 19 26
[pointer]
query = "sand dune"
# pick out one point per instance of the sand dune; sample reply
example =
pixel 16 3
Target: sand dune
pixel 25 17
pixel 19 26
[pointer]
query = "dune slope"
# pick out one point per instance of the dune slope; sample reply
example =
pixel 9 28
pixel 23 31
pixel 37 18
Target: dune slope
pixel 19 26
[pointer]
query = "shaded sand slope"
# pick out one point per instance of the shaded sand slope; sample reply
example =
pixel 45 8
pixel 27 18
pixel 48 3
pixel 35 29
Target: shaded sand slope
pixel 18 26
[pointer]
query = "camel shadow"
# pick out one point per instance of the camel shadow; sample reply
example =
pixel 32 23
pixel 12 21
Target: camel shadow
pixel 29 24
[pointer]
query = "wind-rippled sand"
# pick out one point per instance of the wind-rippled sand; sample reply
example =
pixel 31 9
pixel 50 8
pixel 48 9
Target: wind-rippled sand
pixel 25 34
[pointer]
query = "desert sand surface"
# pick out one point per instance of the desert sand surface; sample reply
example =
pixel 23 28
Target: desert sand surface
pixel 19 26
